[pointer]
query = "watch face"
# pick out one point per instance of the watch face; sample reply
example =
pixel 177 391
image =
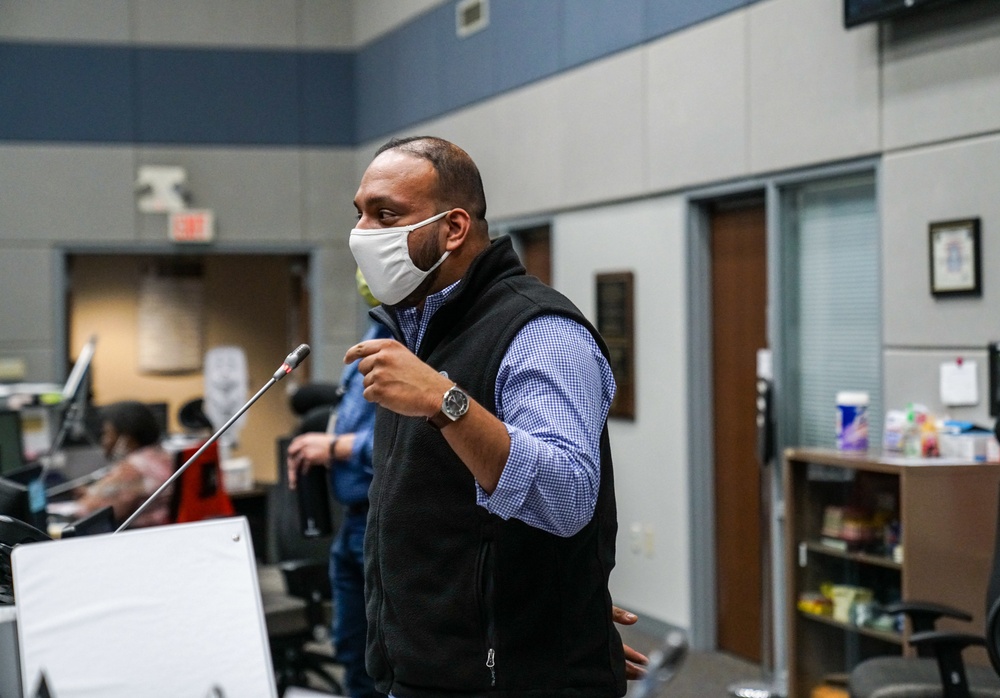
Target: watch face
pixel 455 403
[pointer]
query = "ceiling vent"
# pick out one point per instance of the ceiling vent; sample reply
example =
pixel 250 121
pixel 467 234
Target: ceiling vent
pixel 471 16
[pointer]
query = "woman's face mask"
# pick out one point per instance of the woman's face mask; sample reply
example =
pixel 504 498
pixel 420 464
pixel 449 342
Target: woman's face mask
pixel 384 259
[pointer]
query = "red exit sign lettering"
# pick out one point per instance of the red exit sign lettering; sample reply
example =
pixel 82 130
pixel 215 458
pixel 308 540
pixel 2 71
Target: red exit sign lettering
pixel 192 226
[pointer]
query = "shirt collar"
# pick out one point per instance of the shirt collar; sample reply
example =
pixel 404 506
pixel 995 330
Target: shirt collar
pixel 413 322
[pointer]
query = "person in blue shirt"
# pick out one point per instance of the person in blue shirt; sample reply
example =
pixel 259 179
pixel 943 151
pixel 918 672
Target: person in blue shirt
pixel 492 531
pixel 347 452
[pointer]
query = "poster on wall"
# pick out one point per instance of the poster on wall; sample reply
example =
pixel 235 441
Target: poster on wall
pixel 170 323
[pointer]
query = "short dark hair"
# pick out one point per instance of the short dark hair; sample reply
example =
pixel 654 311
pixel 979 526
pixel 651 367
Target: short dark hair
pixel 459 181
pixel 134 419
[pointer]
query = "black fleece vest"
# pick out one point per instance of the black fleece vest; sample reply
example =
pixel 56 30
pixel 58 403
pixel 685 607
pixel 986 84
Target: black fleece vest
pixel 459 601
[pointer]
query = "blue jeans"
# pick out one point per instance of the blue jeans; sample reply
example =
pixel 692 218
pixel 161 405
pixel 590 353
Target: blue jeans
pixel 350 627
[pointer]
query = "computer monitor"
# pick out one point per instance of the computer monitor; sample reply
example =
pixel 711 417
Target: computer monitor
pixel 11 441
pixel 76 382
pixel 161 411
pixel 32 477
pixel 100 521
pixel 75 395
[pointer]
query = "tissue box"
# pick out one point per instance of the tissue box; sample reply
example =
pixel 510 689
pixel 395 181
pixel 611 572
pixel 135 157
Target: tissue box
pixel 237 474
pixel 968 446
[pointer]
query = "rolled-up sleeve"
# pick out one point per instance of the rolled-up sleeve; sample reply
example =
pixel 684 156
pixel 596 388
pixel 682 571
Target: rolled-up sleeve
pixel 553 392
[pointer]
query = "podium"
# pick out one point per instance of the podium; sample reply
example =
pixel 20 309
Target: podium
pixel 164 611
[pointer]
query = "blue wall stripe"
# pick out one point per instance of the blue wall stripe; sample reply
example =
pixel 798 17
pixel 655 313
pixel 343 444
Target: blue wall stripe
pixel 593 29
pixel 222 96
pixel 65 93
pixel 188 96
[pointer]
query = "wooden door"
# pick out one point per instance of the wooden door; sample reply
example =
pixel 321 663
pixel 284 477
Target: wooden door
pixel 536 251
pixel 739 294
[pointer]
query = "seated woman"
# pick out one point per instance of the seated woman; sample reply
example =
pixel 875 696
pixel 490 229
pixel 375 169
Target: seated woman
pixel 130 437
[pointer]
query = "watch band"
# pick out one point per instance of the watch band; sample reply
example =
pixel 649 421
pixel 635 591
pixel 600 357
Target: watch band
pixel 439 420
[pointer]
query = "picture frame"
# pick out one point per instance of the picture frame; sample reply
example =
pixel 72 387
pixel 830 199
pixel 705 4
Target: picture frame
pixel 955 258
pixel 616 324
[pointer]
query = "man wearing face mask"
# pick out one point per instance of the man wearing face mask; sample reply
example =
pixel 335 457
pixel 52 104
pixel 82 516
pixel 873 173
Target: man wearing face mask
pixel 492 529
pixel 347 452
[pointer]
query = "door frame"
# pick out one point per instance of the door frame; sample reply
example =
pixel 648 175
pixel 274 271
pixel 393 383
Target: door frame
pixel 61 253
pixel 700 441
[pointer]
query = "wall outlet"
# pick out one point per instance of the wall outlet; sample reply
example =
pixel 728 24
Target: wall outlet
pixel 635 537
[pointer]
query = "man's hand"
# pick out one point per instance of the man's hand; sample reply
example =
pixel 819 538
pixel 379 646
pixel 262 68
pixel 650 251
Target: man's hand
pixel 635 662
pixel 305 451
pixel 396 379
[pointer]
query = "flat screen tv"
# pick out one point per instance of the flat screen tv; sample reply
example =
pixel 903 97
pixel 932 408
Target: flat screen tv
pixel 861 11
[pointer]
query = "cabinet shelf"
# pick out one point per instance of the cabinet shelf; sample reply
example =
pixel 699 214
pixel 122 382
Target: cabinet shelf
pixel 946 510
pixel 894 638
pixel 815 546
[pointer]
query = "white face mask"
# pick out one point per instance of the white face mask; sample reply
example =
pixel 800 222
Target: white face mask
pixel 384 259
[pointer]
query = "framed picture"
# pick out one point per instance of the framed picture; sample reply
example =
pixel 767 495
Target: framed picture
pixel 956 264
pixel 615 322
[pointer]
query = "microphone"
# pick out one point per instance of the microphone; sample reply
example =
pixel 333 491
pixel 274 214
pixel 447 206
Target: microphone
pixel 291 361
pixel 663 664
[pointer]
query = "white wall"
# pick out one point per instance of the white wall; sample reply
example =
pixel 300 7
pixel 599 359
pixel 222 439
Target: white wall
pixel 650 453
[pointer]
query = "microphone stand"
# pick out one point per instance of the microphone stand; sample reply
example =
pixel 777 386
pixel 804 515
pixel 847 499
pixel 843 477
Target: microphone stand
pixel 291 361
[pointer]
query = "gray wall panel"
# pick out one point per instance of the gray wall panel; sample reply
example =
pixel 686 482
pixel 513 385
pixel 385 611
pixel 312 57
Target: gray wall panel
pixel 329 184
pixel 245 23
pixel 326 24
pixel 25 315
pixel 255 192
pixel 96 21
pixel 942 75
pixel 599 127
pixel 915 376
pixel 697 111
pixel 936 184
pixel 814 87
pixel 81 193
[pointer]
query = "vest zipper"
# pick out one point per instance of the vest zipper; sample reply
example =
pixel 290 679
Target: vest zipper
pixel 487 601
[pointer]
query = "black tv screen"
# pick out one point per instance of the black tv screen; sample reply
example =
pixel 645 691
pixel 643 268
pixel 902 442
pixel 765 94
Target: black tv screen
pixel 861 11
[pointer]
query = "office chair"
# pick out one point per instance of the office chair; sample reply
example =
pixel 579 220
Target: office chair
pixel 304 567
pixel 938 670
pixel 198 493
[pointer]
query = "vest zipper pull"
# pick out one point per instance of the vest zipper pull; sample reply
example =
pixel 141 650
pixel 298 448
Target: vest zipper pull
pixel 490 663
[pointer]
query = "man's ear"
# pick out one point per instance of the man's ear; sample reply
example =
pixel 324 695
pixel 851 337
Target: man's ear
pixel 459 225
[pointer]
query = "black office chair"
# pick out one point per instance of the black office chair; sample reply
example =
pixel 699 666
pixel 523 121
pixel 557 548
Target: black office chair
pixel 304 567
pixel 938 670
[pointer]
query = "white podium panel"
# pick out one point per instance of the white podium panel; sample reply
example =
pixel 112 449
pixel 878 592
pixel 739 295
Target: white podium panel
pixel 165 611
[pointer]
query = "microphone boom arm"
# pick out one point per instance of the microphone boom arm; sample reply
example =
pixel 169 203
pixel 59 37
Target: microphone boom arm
pixel 291 361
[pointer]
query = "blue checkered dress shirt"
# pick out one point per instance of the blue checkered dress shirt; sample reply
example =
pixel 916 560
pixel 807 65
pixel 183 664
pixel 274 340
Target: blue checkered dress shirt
pixel 553 392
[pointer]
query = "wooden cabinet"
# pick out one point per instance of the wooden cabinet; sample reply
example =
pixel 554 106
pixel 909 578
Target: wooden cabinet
pixel 945 512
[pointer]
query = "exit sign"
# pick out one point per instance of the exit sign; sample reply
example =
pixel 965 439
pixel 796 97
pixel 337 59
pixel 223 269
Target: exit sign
pixel 192 226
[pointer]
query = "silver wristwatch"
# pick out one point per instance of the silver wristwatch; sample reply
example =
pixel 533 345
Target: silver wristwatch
pixel 454 404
